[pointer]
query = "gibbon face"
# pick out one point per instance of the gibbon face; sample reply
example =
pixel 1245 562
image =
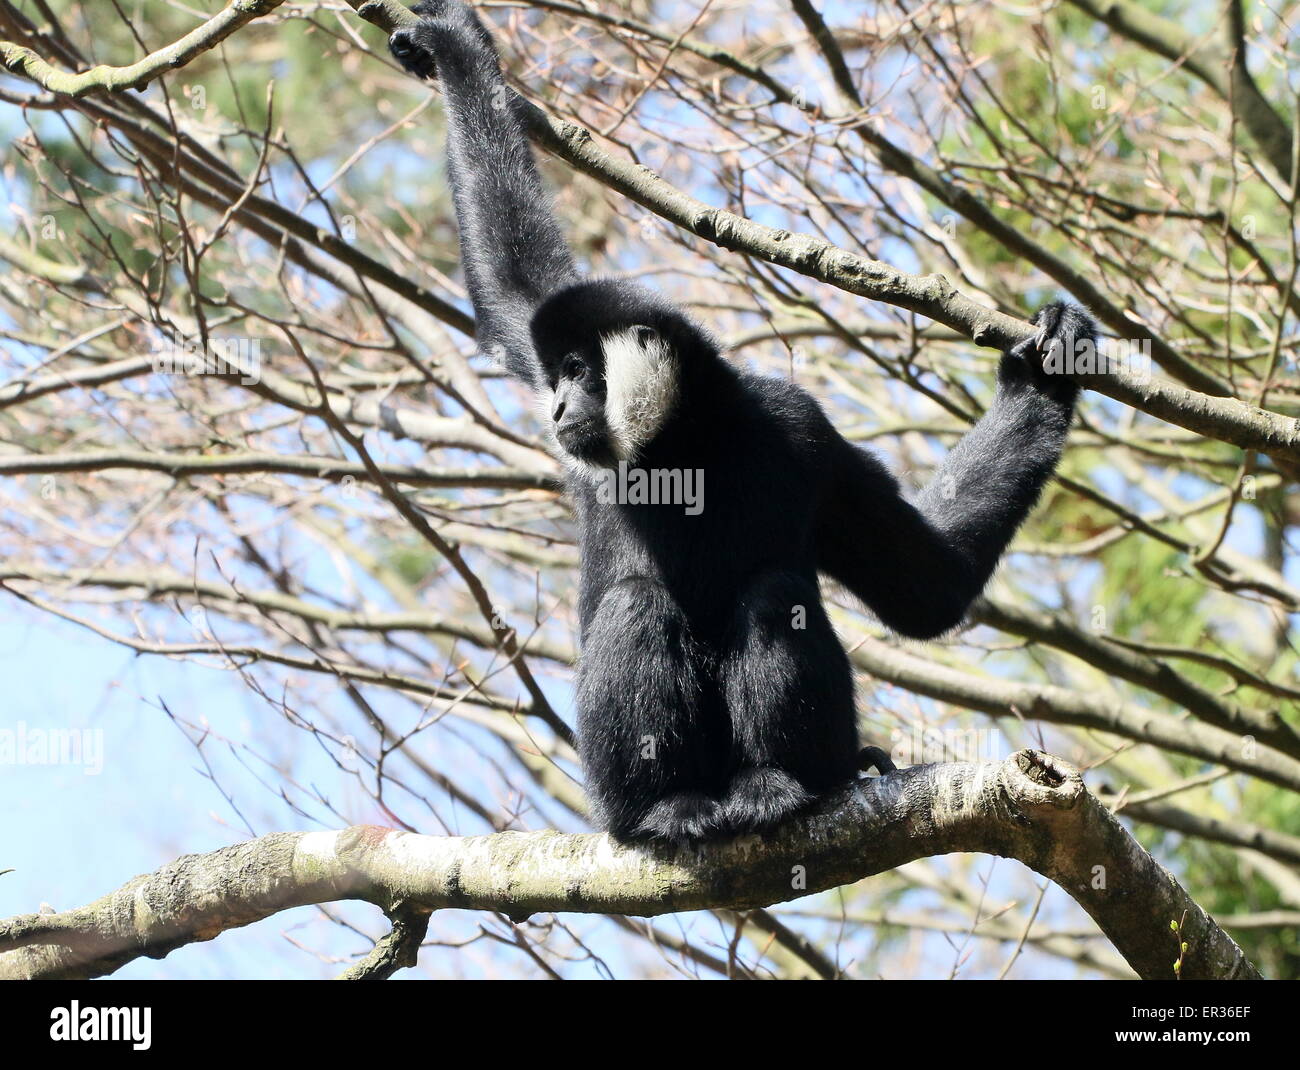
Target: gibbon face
pixel 611 382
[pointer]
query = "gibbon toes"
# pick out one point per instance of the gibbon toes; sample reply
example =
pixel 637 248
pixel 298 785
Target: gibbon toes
pixel 682 818
pixel 877 759
pixel 763 797
pixel 757 800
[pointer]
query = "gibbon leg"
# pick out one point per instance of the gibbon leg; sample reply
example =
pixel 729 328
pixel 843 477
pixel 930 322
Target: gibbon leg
pixel 653 760
pixel 789 693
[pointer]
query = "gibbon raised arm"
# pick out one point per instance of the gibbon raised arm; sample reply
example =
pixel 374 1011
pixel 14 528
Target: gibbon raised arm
pixel 512 251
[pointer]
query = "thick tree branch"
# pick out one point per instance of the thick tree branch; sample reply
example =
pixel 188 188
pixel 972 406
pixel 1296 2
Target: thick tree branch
pixel 1278 845
pixel 1031 807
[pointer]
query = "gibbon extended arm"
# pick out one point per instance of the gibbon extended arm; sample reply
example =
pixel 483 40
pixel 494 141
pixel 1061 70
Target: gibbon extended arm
pixel 919 564
pixel 513 252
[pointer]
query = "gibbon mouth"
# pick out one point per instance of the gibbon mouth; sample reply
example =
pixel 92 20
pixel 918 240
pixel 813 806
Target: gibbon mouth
pixel 586 440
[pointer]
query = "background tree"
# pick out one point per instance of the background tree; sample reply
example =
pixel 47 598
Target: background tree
pixel 346 547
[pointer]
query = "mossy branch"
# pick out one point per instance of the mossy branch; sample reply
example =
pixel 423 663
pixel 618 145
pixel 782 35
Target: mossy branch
pixel 19 59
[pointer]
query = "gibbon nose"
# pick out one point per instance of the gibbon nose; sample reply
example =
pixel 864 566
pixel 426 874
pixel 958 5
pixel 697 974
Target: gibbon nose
pixel 560 402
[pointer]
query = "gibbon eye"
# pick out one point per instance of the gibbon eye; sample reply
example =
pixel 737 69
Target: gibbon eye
pixel 574 368
pixel 644 335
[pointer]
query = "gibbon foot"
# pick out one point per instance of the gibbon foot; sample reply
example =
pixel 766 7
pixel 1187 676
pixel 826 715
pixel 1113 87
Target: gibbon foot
pixel 763 797
pixel 877 759
pixel 681 818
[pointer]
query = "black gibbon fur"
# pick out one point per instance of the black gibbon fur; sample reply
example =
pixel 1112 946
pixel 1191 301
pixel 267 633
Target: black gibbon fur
pixel 713 695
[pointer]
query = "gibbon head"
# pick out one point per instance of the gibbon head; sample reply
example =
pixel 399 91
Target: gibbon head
pixel 612 355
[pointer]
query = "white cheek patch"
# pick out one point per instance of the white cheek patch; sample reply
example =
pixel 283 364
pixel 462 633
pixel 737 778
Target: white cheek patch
pixel 543 406
pixel 640 388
